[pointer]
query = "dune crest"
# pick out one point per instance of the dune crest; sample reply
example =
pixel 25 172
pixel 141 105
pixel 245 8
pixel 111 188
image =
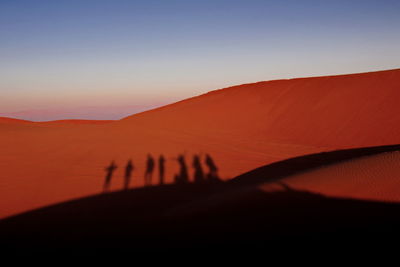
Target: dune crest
pixel 374 177
pixel 242 127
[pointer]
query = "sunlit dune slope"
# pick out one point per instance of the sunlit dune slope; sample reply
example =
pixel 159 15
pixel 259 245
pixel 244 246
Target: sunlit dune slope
pixel 374 177
pixel 241 127
pixel 333 111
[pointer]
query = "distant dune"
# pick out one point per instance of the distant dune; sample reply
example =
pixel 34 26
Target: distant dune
pixel 79 113
pixel 241 127
pixel 4 120
pixel 12 121
pixel 71 122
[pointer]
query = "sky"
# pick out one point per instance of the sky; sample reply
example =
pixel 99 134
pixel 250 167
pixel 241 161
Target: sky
pixel 106 59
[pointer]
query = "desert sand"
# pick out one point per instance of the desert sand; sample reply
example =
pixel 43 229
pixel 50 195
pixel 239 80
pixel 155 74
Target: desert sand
pixel 241 127
pixel 261 209
pixel 373 177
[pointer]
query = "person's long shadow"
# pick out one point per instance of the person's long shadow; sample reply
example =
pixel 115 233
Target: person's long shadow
pixel 182 177
pixel 161 170
pixel 150 165
pixel 128 174
pixel 198 176
pixel 184 215
pixel 212 174
pixel 109 174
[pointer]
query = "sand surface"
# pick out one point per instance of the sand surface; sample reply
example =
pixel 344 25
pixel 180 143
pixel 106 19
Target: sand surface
pixel 241 127
pixel 374 178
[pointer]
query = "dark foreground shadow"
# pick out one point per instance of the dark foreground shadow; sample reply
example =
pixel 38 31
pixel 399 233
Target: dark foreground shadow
pixel 211 215
pixel 159 218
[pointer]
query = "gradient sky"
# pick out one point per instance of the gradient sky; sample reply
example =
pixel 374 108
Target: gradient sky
pixel 100 55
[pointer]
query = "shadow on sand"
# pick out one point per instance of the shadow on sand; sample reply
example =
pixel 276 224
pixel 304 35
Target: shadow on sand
pixel 210 215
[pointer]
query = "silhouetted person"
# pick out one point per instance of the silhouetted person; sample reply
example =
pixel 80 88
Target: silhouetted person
pixel 183 176
pixel 161 168
pixel 149 170
pixel 128 174
pixel 110 170
pixel 213 170
pixel 198 170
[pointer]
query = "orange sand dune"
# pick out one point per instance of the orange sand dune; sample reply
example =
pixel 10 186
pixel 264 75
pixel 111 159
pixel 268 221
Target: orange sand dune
pixel 75 122
pixel 334 111
pixel 373 177
pixel 12 121
pixel 19 121
pixel 241 127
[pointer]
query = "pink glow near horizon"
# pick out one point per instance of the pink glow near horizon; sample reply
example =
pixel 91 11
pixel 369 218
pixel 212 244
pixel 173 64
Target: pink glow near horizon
pixel 63 57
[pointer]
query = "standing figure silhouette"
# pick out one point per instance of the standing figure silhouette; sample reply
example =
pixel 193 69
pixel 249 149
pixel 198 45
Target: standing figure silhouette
pixel 149 170
pixel 109 173
pixel 198 170
pixel 161 168
pixel 183 176
pixel 213 169
pixel 128 174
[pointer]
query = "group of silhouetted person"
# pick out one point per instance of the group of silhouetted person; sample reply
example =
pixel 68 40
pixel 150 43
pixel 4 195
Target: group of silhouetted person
pixel 182 177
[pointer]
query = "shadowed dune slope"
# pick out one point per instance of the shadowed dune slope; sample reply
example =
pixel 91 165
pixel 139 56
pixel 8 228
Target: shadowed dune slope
pixel 198 215
pixel 246 210
pixel 242 128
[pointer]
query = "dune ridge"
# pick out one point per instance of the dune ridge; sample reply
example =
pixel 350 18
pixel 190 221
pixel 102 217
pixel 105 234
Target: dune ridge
pixel 242 127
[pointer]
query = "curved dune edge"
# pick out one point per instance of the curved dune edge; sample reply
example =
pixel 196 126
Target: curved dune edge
pixel 214 214
pixel 6 120
pixel 364 173
pixel 373 177
pixel 242 127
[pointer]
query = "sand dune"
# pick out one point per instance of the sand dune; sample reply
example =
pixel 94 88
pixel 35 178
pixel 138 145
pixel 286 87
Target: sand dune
pixel 212 215
pixel 4 120
pixel 241 127
pixel 18 121
pixel 334 111
pixel 373 177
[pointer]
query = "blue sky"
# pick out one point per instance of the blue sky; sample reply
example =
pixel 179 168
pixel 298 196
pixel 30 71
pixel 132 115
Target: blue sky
pixel 75 54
